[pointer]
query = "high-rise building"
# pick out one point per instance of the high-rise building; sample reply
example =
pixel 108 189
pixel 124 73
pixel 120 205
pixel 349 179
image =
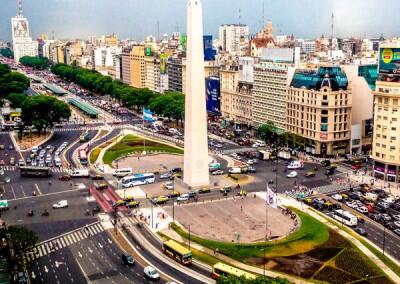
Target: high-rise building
pixel 175 73
pixel 133 66
pixel 386 136
pixel 23 45
pixel 271 78
pixel 319 110
pixel 233 37
pixel 152 67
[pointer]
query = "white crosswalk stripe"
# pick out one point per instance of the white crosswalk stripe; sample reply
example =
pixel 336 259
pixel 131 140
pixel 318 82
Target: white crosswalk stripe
pixel 50 246
pixel 53 170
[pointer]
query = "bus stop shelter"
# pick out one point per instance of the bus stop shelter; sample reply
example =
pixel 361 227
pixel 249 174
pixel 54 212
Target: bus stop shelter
pixel 84 107
pixel 55 89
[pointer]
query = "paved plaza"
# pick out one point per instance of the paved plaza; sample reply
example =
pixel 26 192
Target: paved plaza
pixel 238 220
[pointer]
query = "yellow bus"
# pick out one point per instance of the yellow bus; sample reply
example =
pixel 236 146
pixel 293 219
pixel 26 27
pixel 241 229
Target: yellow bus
pixel 221 269
pixel 177 252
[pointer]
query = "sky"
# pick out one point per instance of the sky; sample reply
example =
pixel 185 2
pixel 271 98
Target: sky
pixel 136 19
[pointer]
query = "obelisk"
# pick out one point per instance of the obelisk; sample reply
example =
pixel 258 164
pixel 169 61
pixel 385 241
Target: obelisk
pixel 196 145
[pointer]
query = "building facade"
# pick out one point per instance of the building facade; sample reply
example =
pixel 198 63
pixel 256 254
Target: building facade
pixel 386 137
pixel 319 105
pixel 233 37
pixel 175 73
pixel 133 66
pixel 152 65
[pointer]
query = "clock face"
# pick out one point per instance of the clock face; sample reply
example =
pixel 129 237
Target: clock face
pixel 20 28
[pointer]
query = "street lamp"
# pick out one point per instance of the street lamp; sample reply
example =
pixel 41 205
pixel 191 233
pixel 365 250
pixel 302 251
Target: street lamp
pixel 189 236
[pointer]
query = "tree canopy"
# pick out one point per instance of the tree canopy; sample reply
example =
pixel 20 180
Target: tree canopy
pixel 39 63
pixel 12 82
pixel 6 52
pixel 16 100
pixel 44 111
pixel 170 105
pixel 260 280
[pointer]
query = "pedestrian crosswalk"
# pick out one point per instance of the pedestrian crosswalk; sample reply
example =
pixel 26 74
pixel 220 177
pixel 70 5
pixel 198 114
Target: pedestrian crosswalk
pixel 54 170
pixel 331 188
pixel 50 246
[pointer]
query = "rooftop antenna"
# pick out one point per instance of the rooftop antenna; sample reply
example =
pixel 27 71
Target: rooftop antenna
pixel 158 30
pixel 240 15
pixel 20 8
pixel 332 25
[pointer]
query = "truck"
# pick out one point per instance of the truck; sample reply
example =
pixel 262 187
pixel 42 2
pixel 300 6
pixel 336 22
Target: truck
pixel 284 155
pixel 214 166
pixel 265 155
pixel 80 173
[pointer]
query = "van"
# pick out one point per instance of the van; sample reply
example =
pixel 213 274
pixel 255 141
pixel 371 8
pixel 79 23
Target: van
pixel 235 170
pixel 80 173
pixel 260 143
pixel 371 196
pixel 34 149
pixel 122 172
pixel 295 165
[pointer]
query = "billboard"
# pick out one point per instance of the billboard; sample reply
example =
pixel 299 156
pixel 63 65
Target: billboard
pixel 20 28
pixel 183 42
pixel 389 62
pixel 213 98
pixel 163 62
pixel 148 51
pixel 209 52
pixel 278 55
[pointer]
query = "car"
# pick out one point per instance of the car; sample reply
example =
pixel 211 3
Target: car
pixel 176 170
pixel 337 197
pixel 10 147
pixel 2 163
pixel 33 163
pixel 64 177
pixel 242 192
pixel 226 189
pixel 361 232
pixel 192 193
pixel 12 161
pixel 118 203
pixel 183 197
pixel 396 217
pixel 250 162
pixel 386 217
pixel 60 204
pixel 251 170
pixel 1 147
pixel 351 204
pixel 397 232
pixel 204 190
pixel 174 194
pixel 292 174
pixel 100 185
pixel 21 162
pixel 151 273
pixel 127 259
pixel 169 185
pixel 167 175
pixel 48 147
pixel 310 174
pixel 160 200
pixel 132 204
pixel 21 278
pixel 217 172
pixel 97 177
pixel 362 209
pixel 397 224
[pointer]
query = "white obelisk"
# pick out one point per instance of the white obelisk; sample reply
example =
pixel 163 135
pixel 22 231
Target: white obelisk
pixel 196 145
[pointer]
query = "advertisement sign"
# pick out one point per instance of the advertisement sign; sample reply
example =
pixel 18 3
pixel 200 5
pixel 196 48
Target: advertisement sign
pixel 213 95
pixel 19 28
pixel 183 42
pixel 163 62
pixel 389 61
pixel 209 52
pixel 148 51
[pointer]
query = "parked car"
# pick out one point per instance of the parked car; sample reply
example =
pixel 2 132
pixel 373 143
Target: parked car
pixel 183 197
pixel 292 174
pixel 217 172
pixel 361 232
pixel 151 273
pixel 127 259
pixel 60 204
pixel 204 190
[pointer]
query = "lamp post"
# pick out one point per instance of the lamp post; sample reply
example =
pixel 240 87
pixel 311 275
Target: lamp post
pixel 189 236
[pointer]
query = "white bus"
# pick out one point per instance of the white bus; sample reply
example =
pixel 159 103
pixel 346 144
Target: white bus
pixel 123 172
pixel 138 179
pixel 345 217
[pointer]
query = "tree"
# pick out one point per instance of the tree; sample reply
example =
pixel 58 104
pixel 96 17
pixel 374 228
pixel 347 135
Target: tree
pixel 260 280
pixel 19 240
pixel 43 112
pixel 268 132
pixel 6 52
pixel 39 63
pixel 12 82
pixel 16 99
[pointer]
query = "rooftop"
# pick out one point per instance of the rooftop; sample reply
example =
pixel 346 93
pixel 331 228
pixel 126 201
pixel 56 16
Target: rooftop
pixel 332 77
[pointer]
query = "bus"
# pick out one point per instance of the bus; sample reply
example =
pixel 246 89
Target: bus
pixel 138 179
pixel 221 269
pixel 177 252
pixel 345 217
pixel 28 171
pixel 83 157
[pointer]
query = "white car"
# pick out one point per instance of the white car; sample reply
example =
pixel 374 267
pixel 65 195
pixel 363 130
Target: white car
pixel 396 217
pixel 397 224
pixel 362 209
pixel 352 205
pixel 292 174
pixel 151 273
pixel 169 185
pixel 183 197
pixel 61 204
pixel 250 162
pixel 337 197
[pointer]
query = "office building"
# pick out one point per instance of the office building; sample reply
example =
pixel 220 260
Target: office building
pixel 233 38
pixel 386 136
pixel 319 105
pixel 133 66
pixel 152 71
pixel 175 73
pixel 23 45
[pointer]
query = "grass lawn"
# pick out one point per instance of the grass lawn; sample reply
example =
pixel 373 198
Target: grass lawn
pixel 131 144
pixel 311 234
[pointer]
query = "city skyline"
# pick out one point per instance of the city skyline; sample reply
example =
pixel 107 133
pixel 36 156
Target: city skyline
pixel 305 18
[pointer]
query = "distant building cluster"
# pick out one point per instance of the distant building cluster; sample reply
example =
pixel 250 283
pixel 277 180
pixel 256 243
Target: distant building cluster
pixel 328 91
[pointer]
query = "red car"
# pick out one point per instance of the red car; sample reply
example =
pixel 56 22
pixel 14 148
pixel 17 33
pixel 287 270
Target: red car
pixel 2 163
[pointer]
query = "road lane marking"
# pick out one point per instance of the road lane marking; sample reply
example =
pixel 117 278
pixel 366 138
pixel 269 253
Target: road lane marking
pixel 66 240
pixel 91 230
pixel 47 248
pixel 23 192
pixel 70 239
pixel 62 242
pixel 58 243
pixel 13 192
pixel 77 236
pixel 38 189
pixel 80 235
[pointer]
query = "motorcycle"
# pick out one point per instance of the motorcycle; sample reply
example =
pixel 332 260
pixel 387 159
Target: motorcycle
pixel 30 213
pixel 45 213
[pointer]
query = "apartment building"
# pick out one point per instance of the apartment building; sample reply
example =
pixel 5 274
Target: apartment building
pixel 133 66
pixel 319 105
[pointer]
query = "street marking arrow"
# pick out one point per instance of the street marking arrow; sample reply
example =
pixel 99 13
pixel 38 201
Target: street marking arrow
pixel 109 241
pixel 57 264
pixel 79 254
pixel 90 250
pixel 46 269
pixel 100 245
pixel 33 275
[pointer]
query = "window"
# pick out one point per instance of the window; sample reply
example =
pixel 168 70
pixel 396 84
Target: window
pixel 377 154
pixel 324 127
pixel 392 157
pixel 393 128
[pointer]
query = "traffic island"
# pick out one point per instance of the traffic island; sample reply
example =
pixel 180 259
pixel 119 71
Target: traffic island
pixel 29 140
